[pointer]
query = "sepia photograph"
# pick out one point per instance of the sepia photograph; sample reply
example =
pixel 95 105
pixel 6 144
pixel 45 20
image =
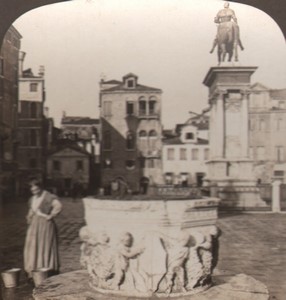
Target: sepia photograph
pixel 142 150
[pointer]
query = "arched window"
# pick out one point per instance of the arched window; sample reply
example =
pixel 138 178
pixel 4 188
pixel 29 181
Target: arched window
pixel 152 105
pixel 130 140
pixel 152 133
pixel 130 164
pixel 142 134
pixel 107 140
pixel 142 106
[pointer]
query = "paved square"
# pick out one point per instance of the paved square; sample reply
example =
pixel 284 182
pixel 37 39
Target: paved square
pixel 254 244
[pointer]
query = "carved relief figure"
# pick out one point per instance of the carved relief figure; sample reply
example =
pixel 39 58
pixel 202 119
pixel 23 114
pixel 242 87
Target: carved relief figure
pixel 178 254
pixel 96 257
pixel 124 253
pixel 194 266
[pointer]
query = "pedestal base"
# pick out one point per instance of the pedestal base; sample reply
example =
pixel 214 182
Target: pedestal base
pixel 74 286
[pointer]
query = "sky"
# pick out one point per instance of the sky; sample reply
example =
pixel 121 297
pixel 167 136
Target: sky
pixel 166 43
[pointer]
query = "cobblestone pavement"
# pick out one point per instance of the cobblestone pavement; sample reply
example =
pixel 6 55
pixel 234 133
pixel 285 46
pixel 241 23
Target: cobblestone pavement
pixel 254 244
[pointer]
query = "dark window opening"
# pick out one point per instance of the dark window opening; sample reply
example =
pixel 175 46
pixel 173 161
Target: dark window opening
pixel 56 165
pixel 33 137
pixel 189 136
pixel 130 108
pixel 130 83
pixel 152 107
pixel 79 165
pixel 130 141
pixel 142 107
pixel 130 164
pixel 33 110
pixel 33 87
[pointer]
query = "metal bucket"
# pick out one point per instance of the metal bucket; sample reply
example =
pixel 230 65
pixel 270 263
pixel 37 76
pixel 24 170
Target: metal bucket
pixel 11 277
pixel 40 275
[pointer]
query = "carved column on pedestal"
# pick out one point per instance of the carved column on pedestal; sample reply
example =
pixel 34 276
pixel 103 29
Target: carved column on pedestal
pixel 245 124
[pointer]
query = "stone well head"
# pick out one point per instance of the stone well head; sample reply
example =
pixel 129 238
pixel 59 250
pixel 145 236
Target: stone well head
pixel 146 248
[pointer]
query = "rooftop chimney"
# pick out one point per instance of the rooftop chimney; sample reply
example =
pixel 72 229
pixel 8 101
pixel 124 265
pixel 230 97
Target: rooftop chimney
pixel 41 71
pixel 22 55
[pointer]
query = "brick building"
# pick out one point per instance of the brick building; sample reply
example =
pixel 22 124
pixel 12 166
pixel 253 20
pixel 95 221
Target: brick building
pixel 32 125
pixel 131 129
pixel 8 113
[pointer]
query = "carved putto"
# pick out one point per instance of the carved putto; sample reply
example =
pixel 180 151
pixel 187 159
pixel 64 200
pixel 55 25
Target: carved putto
pixel 178 266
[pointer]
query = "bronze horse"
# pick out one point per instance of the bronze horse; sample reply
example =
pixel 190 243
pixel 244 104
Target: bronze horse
pixel 227 41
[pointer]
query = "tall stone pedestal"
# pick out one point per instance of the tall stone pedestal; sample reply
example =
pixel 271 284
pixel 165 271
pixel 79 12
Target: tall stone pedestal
pixel 230 168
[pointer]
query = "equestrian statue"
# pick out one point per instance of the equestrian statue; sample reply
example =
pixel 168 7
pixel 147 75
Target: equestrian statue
pixel 228 37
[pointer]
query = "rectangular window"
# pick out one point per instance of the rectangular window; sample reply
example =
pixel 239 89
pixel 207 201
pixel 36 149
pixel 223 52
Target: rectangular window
pixel 150 163
pixel 206 154
pixel 279 153
pixel 130 108
pixel 278 173
pixel 189 136
pixel 170 154
pixel 33 163
pixel 169 178
pixel 33 110
pixel 261 124
pixel 195 154
pixel 251 152
pixel 252 124
pixel 183 154
pixel 79 165
pixel 281 104
pixel 33 87
pixel 33 137
pixel 260 153
pixel 130 83
pixel 56 165
pixel 279 124
pixel 142 108
pixel 107 108
pixel 152 107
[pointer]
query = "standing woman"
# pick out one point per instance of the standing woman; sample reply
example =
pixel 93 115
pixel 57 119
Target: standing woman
pixel 41 245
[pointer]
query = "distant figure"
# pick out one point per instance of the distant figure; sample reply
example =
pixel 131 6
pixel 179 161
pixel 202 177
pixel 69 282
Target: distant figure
pixel 114 188
pixel 144 184
pixel 41 244
pixel 123 188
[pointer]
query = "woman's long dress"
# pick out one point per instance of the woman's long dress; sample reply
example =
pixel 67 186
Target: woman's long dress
pixel 41 245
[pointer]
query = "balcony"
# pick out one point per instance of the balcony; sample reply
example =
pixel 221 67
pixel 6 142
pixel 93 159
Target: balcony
pixel 148 115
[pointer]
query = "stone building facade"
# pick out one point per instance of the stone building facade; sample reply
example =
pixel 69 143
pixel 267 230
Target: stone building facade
pixel 68 166
pixel 31 125
pixel 85 132
pixel 185 154
pixel 8 113
pixel 267 131
pixel 131 129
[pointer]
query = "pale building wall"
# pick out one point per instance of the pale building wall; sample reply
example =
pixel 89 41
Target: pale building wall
pixel 188 165
pixel 26 94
